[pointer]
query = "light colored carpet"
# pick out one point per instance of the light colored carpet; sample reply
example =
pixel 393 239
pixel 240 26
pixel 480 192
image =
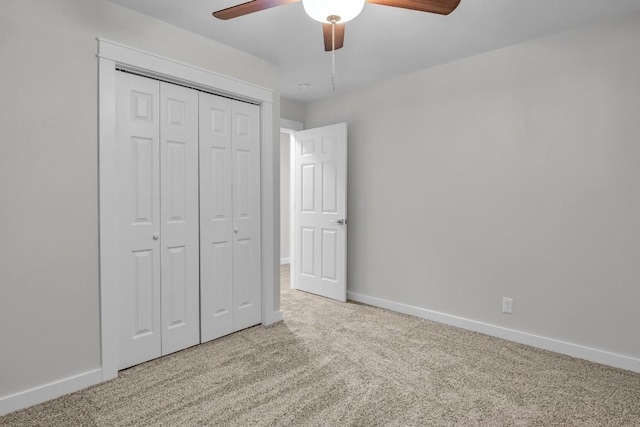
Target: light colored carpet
pixel 335 364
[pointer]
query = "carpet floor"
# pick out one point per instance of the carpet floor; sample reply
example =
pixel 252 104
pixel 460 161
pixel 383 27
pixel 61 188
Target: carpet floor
pixel 336 364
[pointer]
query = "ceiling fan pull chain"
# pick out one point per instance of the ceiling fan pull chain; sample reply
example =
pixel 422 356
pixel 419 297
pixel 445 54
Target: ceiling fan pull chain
pixel 333 54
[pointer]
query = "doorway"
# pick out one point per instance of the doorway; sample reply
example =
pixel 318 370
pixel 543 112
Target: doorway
pixel 288 128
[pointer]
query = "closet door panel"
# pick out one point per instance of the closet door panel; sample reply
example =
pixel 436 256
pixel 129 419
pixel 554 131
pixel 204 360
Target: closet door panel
pixel 138 155
pixel 245 139
pixel 179 238
pixel 216 220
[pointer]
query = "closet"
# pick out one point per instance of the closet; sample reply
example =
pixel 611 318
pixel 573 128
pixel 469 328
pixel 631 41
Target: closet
pixel 189 217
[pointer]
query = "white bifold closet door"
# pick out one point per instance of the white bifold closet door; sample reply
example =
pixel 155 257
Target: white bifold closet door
pixel 157 157
pixel 230 286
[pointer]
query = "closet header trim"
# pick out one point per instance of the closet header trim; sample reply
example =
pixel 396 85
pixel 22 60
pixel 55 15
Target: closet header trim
pixel 142 63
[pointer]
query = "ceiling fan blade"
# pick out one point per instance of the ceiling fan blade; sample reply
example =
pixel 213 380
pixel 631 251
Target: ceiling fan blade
pixel 249 7
pixel 326 31
pixel 442 7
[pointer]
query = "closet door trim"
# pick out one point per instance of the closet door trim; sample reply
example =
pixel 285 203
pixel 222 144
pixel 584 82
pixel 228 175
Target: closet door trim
pixel 113 56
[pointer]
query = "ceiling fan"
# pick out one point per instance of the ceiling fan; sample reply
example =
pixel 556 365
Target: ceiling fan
pixel 334 13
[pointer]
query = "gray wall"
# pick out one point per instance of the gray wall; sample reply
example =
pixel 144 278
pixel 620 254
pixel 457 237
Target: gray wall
pixel 291 110
pixel 514 173
pixel 49 305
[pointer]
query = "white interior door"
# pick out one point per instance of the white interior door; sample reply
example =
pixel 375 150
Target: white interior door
pixel 138 158
pixel 216 220
pixel 179 231
pixel 230 287
pixel 320 212
pixel 158 233
pixel 247 289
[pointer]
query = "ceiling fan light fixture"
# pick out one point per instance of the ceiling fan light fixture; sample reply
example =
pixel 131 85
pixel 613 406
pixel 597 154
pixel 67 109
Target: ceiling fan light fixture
pixel 324 10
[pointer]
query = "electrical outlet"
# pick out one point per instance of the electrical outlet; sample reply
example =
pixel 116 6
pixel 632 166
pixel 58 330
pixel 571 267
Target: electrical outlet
pixel 507 305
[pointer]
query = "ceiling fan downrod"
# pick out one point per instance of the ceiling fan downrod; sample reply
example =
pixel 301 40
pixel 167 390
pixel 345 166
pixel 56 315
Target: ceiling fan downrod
pixel 333 19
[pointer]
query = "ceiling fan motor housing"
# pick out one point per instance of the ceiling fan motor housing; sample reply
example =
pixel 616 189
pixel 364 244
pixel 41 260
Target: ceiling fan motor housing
pixel 326 10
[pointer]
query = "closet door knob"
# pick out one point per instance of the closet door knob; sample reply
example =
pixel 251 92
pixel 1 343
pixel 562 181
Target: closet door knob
pixel 156 236
pixel 235 230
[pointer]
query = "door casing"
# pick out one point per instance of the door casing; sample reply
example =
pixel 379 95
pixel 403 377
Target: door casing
pixel 290 127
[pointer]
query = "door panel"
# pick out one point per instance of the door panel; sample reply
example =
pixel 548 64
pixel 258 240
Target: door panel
pixel 307 251
pixel 142 158
pixel 328 256
pixel 176 293
pixel 229 215
pixel 216 220
pixel 246 214
pixel 138 157
pixel 143 293
pixel 180 279
pixel 329 187
pixel 320 239
pixel 308 188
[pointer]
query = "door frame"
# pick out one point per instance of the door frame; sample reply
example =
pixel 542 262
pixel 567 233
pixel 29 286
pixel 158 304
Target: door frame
pixel 112 56
pixel 290 127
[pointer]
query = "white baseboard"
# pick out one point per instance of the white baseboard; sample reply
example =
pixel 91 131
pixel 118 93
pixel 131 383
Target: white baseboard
pixel 551 344
pixel 35 395
pixel 284 261
pixel 278 316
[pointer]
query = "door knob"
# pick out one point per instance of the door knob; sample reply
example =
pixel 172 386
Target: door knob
pixel 340 221
pixel 156 236
pixel 235 230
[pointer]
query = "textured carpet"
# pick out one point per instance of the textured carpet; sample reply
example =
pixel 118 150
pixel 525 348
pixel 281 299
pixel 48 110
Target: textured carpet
pixel 338 364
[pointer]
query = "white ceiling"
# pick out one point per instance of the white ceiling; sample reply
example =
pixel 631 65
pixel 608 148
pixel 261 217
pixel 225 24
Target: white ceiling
pixel 382 42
